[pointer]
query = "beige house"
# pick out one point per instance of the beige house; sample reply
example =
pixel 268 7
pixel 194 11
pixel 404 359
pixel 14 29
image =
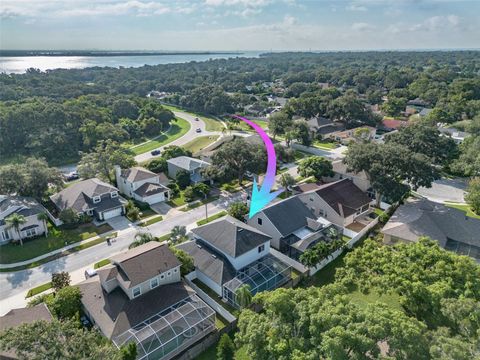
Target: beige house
pixel 359 179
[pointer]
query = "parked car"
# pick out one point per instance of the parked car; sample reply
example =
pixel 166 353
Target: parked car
pixel 71 176
pixel 90 273
pixel 198 130
pixel 155 152
pixel 197 119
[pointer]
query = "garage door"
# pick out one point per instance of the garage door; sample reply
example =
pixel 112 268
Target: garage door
pixel 155 199
pixel 112 213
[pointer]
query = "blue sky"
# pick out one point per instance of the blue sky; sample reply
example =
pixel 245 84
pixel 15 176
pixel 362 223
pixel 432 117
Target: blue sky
pixel 239 24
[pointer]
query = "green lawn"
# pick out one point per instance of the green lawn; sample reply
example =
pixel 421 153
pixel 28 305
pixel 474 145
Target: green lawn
pixel 200 203
pixel 56 239
pixel 362 300
pixel 211 218
pixel 245 127
pixel 101 263
pixel 39 289
pixel 465 208
pixel 152 220
pixel 211 354
pixel 178 200
pixel 211 124
pixel 200 143
pixel 177 130
pixel 324 144
pixel 378 211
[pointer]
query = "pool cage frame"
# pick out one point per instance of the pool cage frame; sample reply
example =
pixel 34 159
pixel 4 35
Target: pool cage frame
pixel 173 324
pixel 263 274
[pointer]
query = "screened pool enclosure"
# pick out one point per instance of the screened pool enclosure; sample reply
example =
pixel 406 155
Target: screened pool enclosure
pixel 264 274
pixel 170 331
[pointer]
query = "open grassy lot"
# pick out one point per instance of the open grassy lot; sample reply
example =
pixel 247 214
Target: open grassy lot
pixel 211 124
pixel 200 143
pixel 177 130
pixel 465 208
pixel 56 239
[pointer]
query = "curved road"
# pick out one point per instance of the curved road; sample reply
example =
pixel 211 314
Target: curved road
pixel 189 136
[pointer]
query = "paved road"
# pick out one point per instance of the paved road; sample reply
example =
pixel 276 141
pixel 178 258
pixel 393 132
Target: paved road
pixel 14 285
pixel 189 136
pixel 443 190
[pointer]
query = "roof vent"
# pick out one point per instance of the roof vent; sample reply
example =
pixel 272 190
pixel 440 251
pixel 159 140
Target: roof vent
pixel 199 246
pixel 214 256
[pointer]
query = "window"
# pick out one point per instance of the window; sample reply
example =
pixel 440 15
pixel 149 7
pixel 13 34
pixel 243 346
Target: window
pixel 96 199
pixel 153 283
pixel 175 270
pixel 6 235
pixel 162 276
pixel 261 248
pixel 89 212
pixel 169 273
pixel 114 194
pixel 30 232
pixel 259 221
pixel 136 291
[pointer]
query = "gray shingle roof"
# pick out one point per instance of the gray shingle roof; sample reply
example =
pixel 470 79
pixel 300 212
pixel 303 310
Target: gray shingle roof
pixel 149 189
pixel 27 206
pixel 187 163
pixel 17 317
pixel 288 215
pixel 437 221
pixel 137 174
pixel 231 236
pixel 143 263
pixel 209 262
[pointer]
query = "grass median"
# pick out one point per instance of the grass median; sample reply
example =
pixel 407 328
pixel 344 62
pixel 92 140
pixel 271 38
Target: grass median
pixel 211 218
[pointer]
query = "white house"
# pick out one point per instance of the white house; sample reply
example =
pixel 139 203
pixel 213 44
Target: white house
pixel 142 184
pixel 30 209
pixel 191 165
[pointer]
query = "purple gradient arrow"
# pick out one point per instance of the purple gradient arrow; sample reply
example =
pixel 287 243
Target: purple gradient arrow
pixel 261 197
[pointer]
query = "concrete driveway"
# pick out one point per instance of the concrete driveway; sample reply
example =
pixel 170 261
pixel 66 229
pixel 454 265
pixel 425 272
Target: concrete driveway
pixel 445 190
pixel 161 208
pixel 119 223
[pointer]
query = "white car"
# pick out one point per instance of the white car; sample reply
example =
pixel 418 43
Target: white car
pixel 90 273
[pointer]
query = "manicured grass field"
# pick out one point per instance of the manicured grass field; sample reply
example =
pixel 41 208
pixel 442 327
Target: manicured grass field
pixel 211 218
pixel 465 208
pixel 211 124
pixel 101 263
pixel 324 145
pixel 39 289
pixel 177 130
pixel 200 143
pixel 152 220
pixel 56 239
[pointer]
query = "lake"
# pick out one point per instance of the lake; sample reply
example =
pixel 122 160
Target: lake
pixel 19 64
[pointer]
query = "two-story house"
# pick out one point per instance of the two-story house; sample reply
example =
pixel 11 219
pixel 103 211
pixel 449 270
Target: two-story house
pixel 292 226
pixel 228 253
pixel 340 202
pixel 92 197
pixel 30 209
pixel 191 165
pixel 142 184
pixel 140 298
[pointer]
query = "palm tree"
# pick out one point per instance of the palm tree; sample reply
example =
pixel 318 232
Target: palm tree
pixel 287 180
pixel 243 296
pixel 141 238
pixel 178 234
pixel 14 221
pixel 44 217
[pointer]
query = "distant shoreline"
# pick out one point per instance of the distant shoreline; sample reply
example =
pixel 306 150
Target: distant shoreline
pixel 100 53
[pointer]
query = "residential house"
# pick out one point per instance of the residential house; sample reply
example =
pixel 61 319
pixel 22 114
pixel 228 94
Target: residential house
pixel 340 202
pixel 228 253
pixel 319 125
pixel 292 226
pixel 30 209
pixel 17 317
pixel 457 135
pixel 424 112
pixel 450 227
pixel 192 165
pixel 420 103
pixel 142 184
pixel 92 197
pixel 341 172
pixel 353 135
pixel 392 125
pixel 140 298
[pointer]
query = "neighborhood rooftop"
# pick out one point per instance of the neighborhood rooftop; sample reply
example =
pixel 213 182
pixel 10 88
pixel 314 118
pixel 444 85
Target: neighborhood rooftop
pixel 137 173
pixel 187 163
pixel 25 206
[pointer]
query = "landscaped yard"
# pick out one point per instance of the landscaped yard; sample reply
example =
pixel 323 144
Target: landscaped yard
pixel 211 124
pixel 200 143
pixel 177 130
pixel 324 144
pixel 56 239
pixel 177 200
pixel 152 220
pixel 200 203
pixel 465 208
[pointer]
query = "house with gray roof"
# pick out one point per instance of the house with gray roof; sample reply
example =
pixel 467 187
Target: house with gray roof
pixel 292 226
pixel 92 197
pixel 228 253
pixel 142 184
pixel 191 165
pixel 27 207
pixel 140 297
pixel 450 227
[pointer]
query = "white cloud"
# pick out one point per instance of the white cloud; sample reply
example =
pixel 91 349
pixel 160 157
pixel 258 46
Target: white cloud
pixel 437 23
pixel 355 7
pixel 362 26
pixel 289 20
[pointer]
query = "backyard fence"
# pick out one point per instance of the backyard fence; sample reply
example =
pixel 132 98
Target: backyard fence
pixel 289 261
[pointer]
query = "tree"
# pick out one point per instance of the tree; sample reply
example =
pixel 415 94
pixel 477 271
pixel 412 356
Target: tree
pixel 44 217
pixel 101 161
pixel 56 340
pixel 238 210
pixel 225 348
pixel 243 296
pixel 69 217
pixel 178 234
pixel 473 194
pixel 60 280
pixel 66 303
pixel 129 351
pixel 287 180
pixel 14 221
pixel 302 133
pixel 468 163
pixel 173 151
pixel 140 239
pixel 278 122
pixel 189 193
pixel 186 261
pixel 201 190
pixel 315 166
pixel 182 178
pixel 157 165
